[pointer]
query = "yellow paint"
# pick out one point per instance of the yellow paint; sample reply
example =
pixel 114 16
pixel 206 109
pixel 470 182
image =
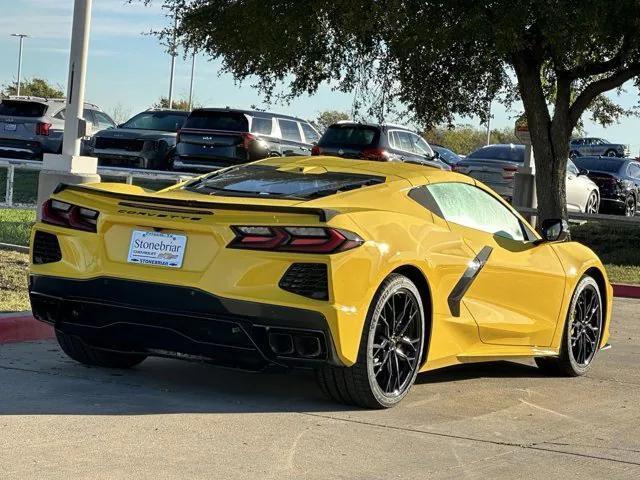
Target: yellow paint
pixel 516 307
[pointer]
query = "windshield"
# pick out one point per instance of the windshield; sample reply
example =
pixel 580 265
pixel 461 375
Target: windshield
pixel 510 153
pixel 597 164
pixel 14 108
pixel 349 136
pixel 447 155
pixel 164 121
pixel 268 181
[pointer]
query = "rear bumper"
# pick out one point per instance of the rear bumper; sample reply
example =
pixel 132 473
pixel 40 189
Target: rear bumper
pixel 22 149
pixel 166 320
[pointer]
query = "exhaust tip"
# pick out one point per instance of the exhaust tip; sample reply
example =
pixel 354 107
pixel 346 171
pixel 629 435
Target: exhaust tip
pixel 281 343
pixel 307 346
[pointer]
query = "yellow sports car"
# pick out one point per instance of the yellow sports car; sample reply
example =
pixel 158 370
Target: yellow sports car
pixel 368 272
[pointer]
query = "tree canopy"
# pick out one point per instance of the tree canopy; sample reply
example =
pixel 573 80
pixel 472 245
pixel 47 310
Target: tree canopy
pixel 329 117
pixel 438 58
pixel 178 104
pixel 465 139
pixel 35 87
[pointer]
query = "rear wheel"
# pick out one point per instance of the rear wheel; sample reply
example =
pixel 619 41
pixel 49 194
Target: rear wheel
pixel 582 333
pixel 82 352
pixel 390 350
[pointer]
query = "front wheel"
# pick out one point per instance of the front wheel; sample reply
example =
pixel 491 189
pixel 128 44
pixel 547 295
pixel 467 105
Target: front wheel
pixel 630 206
pixel 582 332
pixel 593 204
pixel 611 153
pixel 390 351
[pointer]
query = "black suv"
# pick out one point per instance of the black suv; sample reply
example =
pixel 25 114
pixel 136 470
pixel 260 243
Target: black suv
pixel 219 137
pixel 383 142
pixel 147 140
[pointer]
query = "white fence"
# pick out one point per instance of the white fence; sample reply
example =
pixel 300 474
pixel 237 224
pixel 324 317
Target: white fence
pixel 12 165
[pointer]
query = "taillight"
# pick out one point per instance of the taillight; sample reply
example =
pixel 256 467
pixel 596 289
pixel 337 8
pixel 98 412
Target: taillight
pixel 379 154
pixel 316 150
pixel 63 214
pixel 43 128
pixel 294 239
pixel 508 173
pixel 247 138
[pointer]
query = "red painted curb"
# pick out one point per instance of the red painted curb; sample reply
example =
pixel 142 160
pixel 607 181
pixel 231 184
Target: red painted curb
pixel 23 328
pixel 626 291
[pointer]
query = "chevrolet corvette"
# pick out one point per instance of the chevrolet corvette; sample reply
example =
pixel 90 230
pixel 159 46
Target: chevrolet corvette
pixel 367 272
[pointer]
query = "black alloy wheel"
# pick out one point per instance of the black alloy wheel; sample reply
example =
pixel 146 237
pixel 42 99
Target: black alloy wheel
pixel 582 332
pixel 390 353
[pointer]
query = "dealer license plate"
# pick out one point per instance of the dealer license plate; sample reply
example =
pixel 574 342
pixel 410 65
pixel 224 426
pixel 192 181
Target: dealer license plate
pixel 10 127
pixel 157 249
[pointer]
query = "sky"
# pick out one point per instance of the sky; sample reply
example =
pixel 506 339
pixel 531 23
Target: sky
pixel 130 70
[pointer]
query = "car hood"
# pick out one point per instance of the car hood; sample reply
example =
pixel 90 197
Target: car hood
pixel 131 133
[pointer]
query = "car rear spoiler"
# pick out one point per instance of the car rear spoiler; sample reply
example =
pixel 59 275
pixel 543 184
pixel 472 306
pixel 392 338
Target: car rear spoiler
pixel 323 214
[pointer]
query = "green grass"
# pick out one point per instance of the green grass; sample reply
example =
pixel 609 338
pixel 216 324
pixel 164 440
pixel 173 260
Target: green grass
pixel 13 281
pixel 25 186
pixel 15 225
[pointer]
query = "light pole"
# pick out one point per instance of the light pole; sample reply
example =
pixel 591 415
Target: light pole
pixel 69 167
pixel 21 36
pixel 173 60
pixel 193 68
pixel 489 123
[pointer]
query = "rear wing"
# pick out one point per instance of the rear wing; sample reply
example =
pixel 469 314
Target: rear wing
pixel 140 201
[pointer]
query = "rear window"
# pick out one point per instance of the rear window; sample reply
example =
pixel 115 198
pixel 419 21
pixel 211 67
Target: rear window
pixel 229 121
pixel 14 108
pixel 610 165
pixel 268 181
pixel 349 136
pixel 499 152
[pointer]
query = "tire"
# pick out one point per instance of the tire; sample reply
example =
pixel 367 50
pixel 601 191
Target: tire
pixel 593 203
pixel 80 351
pixel 582 333
pixel 401 352
pixel 611 153
pixel 630 206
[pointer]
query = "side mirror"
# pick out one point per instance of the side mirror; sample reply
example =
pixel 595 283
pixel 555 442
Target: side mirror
pixel 583 171
pixel 555 230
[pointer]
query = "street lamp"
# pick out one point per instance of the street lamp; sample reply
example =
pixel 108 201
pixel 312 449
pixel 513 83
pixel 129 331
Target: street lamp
pixel 174 53
pixel 193 68
pixel 21 36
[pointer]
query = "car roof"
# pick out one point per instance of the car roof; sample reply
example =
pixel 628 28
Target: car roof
pixel 57 102
pixel 165 110
pixel 253 113
pixel 388 126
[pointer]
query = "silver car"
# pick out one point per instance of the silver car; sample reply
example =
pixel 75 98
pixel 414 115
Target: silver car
pixel 31 126
pixel 496 166
pixel 596 147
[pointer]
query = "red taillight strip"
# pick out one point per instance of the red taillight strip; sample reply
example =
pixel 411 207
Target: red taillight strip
pixel 71 218
pixel 281 240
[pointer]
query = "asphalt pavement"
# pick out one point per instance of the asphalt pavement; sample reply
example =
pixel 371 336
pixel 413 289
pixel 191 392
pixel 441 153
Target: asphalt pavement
pixel 168 419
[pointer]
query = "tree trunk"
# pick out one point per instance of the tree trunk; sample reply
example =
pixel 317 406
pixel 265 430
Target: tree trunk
pixel 549 139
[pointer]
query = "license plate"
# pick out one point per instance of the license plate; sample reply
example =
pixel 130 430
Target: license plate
pixel 157 249
pixel 10 127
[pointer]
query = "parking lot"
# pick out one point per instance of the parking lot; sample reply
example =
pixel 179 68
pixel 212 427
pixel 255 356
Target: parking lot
pixel 170 419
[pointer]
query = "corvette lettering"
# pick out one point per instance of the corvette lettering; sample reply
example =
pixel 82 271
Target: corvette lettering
pixel 159 215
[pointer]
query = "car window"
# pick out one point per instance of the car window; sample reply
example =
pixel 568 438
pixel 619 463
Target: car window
pixel 228 121
pixel 289 130
pixel 60 114
pixel 104 121
pixel 87 114
pixel 20 108
pixel 310 133
pixel 447 155
pixel 571 168
pixel 634 170
pixel 262 126
pixel 160 120
pixel 472 207
pixel 348 135
pixel 421 146
pixel 511 153
pixel 600 164
pixel 403 141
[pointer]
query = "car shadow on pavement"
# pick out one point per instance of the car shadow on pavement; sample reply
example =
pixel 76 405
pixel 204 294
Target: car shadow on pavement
pixel 496 369
pixel 38 378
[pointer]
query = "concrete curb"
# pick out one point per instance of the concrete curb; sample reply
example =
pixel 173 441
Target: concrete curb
pixel 22 327
pixel 626 291
pixel 14 248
